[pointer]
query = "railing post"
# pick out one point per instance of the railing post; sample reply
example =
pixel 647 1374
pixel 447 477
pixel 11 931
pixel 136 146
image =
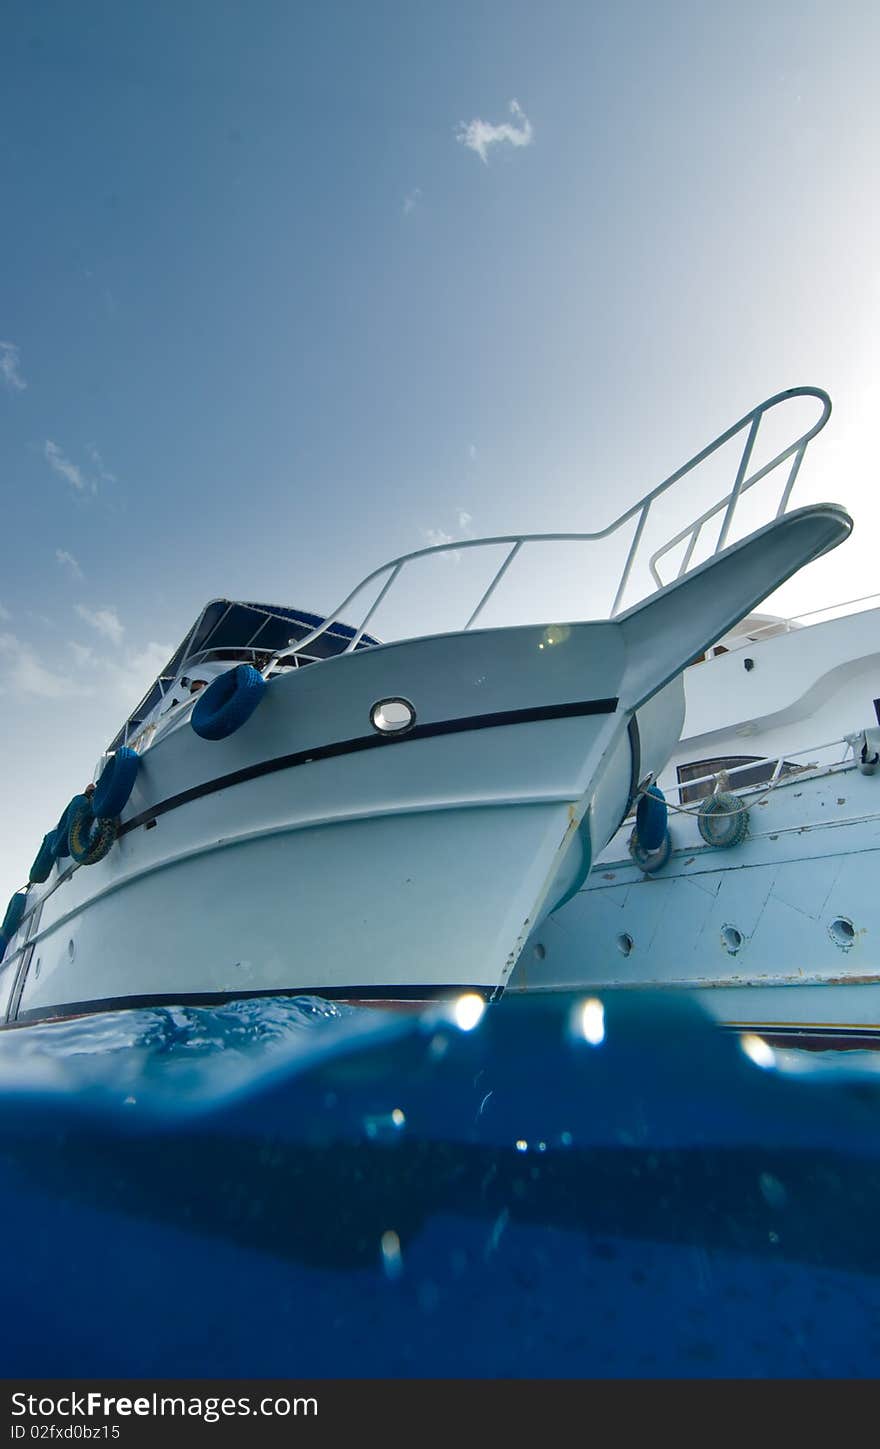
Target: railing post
pixel 740 476
pixel 495 582
pixel 633 549
pixel 372 609
pixel 689 550
pixel 786 492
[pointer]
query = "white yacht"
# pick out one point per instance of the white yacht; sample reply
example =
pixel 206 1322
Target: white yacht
pixel 760 891
pixel 296 807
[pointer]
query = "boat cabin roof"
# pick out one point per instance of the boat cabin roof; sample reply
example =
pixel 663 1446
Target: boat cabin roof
pixel 241 633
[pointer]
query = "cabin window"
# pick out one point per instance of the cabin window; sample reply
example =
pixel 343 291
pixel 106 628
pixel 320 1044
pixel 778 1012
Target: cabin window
pixel 696 769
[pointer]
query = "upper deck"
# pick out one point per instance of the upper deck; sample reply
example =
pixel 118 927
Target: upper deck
pixel 229 631
pixel 654 542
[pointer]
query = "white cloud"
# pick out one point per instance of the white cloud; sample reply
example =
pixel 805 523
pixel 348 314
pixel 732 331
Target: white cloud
pixel 437 537
pixel 98 461
pixel 120 682
pixel 125 680
pixel 472 452
pixel 63 466
pixel 412 200
pixel 67 560
pixel 479 135
pixel 83 481
pixel 10 367
pixel 23 672
pixel 434 537
pixel 106 621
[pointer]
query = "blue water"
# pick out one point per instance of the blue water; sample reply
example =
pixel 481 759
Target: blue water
pixel 289 1188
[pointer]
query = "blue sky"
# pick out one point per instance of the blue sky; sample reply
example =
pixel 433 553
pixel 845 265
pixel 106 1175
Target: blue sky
pixel 267 319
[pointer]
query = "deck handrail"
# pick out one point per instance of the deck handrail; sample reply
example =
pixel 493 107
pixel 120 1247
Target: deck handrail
pixel 784 626
pixel 778 761
pixel 639 510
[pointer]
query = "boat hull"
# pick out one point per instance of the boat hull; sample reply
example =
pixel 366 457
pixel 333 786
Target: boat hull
pixel 308 851
pixel 305 854
pixel 778 934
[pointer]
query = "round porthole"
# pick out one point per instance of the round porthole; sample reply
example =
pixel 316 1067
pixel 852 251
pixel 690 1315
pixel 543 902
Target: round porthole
pixel 624 943
pixel 842 932
pixel 540 951
pixel 392 716
pixel 731 938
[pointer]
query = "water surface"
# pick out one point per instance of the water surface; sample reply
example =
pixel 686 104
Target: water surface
pixel 292 1188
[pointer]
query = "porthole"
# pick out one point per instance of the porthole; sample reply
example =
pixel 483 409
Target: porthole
pixel 71 949
pixel 392 716
pixel 540 951
pixel 731 938
pixel 842 932
pixel 625 943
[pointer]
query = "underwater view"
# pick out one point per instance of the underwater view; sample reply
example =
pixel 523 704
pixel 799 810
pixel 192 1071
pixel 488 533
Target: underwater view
pixel 553 1187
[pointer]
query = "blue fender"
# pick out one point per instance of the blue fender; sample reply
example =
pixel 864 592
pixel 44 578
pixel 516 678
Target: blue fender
pixel 650 860
pixel 44 860
pixel 228 702
pixel 61 847
pixel 651 818
pixel 91 836
pixel 14 912
pixel 116 783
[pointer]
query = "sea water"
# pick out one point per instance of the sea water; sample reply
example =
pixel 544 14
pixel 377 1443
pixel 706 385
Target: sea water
pixel 550 1187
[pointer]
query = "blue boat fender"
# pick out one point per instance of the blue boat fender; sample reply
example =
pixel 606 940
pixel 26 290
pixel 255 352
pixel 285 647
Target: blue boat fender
pixel 651 818
pixel 14 912
pixel 61 847
pixel 116 783
pixel 44 860
pixel 650 860
pixel 228 702
pixel 90 836
pixel 650 844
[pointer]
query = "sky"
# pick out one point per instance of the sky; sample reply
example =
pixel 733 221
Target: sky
pixel 289 289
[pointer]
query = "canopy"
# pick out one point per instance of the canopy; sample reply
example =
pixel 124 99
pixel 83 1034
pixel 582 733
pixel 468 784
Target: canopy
pixel 240 632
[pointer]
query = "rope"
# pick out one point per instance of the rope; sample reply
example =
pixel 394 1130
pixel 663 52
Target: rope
pixel 723 785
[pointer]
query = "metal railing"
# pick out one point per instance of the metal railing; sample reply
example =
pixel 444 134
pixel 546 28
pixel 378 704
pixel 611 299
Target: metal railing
pixel 783 769
pixel 743 481
pixel 793 623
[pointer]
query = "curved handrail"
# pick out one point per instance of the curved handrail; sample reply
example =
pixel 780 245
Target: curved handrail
pixel 639 509
pixel 796 450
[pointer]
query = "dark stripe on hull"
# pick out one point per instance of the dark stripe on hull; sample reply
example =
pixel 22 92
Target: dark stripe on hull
pixel 371 742
pixel 367 995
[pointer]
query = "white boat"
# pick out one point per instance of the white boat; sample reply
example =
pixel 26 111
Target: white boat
pixel 763 899
pixel 391 822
